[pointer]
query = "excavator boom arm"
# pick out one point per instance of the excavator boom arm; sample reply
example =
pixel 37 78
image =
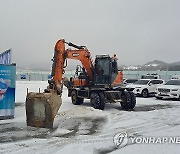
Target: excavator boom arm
pixel 61 54
pixel 41 108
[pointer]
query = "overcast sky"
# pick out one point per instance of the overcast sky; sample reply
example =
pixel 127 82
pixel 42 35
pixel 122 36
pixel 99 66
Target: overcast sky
pixel 138 31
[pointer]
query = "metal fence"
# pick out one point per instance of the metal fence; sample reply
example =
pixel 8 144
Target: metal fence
pixel 38 76
pixel 165 75
pixel 43 76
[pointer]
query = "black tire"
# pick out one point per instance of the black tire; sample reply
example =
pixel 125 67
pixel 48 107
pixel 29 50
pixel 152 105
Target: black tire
pixel 126 100
pixel 160 98
pixel 76 100
pixel 133 100
pixel 176 99
pixel 97 100
pixel 102 105
pixel 145 93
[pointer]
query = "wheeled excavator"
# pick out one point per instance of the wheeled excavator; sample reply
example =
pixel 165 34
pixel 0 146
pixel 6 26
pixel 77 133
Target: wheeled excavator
pixel 98 80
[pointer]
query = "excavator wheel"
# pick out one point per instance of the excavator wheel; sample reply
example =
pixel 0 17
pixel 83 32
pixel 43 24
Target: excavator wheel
pixel 126 103
pixel 97 100
pixel 133 100
pixel 75 99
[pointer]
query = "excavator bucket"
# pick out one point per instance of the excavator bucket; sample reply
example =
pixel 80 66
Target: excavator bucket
pixel 41 109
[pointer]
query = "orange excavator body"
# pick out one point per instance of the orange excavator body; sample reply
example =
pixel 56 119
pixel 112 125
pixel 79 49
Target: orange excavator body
pixel 119 78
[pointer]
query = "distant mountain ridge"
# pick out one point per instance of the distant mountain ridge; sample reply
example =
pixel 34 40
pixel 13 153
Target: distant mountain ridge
pixel 156 65
pixel 149 66
pixel 176 63
pixel 162 63
pixel 158 62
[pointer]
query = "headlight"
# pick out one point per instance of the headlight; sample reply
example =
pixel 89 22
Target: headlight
pixel 174 89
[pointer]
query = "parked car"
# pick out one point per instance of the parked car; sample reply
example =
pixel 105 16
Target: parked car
pixel 145 87
pixel 22 76
pixel 169 90
pixel 129 81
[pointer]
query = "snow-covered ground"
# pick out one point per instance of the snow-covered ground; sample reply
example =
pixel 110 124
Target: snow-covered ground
pixel 82 129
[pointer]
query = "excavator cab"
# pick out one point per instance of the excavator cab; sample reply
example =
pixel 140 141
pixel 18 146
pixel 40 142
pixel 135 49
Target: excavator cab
pixel 106 70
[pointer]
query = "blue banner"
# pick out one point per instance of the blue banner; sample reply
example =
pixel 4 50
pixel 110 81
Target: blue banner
pixel 5 57
pixel 7 90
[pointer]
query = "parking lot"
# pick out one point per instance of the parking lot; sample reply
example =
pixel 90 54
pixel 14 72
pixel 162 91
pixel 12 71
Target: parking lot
pixel 83 129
